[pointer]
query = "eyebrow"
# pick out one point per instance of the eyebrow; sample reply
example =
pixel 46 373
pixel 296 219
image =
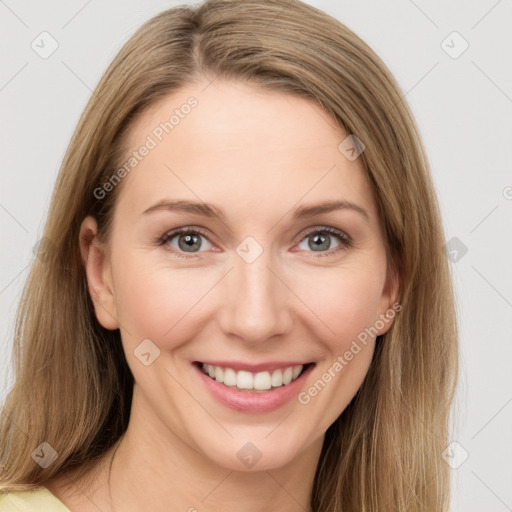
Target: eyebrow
pixel 210 210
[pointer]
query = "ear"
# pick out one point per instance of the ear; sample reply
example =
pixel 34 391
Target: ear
pixel 389 305
pixel 95 258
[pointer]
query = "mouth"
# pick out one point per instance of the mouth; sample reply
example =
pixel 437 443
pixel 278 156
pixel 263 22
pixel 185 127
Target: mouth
pixel 250 381
pixel 253 391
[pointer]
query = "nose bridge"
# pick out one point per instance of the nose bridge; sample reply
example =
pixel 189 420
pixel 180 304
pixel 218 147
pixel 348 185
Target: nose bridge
pixel 257 305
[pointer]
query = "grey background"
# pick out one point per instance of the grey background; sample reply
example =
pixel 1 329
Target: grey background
pixel 463 107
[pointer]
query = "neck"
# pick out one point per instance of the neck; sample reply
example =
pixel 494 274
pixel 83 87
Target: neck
pixel 154 468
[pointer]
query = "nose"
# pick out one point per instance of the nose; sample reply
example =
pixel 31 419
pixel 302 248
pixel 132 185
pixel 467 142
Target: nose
pixel 256 301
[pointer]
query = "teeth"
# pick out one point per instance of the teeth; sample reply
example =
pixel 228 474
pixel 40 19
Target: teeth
pixel 262 381
pixel 219 374
pixel 247 380
pixel 287 376
pixel 229 377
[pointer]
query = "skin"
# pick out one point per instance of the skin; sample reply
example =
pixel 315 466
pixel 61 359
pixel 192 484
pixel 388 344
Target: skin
pixel 257 155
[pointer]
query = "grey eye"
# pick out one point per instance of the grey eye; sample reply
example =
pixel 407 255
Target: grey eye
pixel 188 242
pixel 318 241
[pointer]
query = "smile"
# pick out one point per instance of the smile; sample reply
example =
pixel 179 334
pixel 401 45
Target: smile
pixel 260 381
pixel 264 389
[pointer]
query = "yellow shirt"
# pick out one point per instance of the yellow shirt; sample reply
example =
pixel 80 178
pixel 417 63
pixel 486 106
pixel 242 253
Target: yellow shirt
pixel 37 500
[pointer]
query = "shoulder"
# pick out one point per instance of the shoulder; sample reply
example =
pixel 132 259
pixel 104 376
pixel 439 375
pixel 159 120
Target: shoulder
pixel 39 499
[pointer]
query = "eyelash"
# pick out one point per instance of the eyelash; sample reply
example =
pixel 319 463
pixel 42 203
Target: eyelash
pixel 345 240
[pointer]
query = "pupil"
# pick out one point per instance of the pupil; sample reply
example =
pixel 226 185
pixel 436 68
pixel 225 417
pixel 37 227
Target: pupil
pixel 188 242
pixel 324 242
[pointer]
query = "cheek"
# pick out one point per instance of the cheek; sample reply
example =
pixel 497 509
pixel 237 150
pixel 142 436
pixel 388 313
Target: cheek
pixel 152 302
pixel 167 304
pixel 345 300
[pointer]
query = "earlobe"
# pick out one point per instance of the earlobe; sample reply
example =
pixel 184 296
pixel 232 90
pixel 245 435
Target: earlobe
pixel 97 268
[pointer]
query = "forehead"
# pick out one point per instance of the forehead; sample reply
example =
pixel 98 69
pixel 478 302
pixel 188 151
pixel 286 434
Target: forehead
pixel 225 140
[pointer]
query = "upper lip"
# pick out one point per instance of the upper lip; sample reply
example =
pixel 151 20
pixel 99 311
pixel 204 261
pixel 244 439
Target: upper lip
pixel 255 367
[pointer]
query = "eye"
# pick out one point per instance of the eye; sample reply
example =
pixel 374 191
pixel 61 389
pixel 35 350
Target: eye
pixel 190 240
pixel 185 240
pixel 319 240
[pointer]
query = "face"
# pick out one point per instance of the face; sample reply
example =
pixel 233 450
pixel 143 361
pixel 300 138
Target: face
pixel 243 238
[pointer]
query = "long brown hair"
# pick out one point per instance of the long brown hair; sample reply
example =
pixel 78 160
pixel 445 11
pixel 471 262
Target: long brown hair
pixel 73 387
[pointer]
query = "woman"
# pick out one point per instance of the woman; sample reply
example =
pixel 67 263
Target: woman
pixel 244 299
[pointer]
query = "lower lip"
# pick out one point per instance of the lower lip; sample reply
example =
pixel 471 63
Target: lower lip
pixel 249 401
